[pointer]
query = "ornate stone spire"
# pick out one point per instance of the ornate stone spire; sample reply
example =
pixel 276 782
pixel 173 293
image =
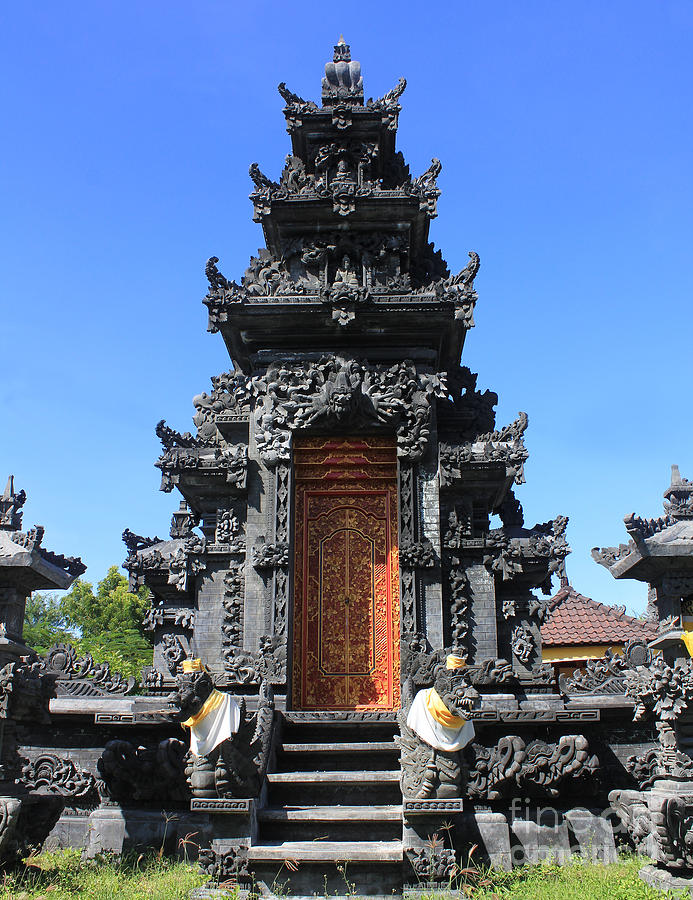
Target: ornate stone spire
pixel 343 82
pixel 679 496
pixel 10 505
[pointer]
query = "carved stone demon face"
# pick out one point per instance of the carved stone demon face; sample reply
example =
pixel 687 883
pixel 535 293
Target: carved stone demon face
pixel 341 401
pixel 193 688
pixel 455 691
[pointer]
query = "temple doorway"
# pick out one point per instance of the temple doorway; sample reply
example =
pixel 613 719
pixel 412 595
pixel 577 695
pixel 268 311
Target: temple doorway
pixel 346 574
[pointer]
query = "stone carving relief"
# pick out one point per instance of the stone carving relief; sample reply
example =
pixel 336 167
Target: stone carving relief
pixel 679 497
pixel 606 675
pixel 433 863
pixel 646 768
pixel 407 532
pixel 161 614
pixel 536 769
pixel 233 602
pixel 266 664
pixel 31 541
pixel 608 556
pixel 50 774
pixel 640 529
pixel 417 554
pixel 634 816
pixel 81 676
pixel 224 865
pixel 173 652
pixel 226 528
pixel 419 665
pixel 460 602
pixel 389 105
pixel 427 772
pixel 10 808
pixel 336 392
pixel 663 692
pixel 672 820
pixel 227 460
pixel 522 644
pixel 268 556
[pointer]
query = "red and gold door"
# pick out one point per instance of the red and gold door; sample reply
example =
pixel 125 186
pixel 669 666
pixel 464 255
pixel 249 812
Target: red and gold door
pixel 346 574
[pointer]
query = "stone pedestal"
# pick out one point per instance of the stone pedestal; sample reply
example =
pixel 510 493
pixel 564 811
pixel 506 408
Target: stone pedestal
pixel 491 832
pixel 116 830
pixel 591 836
pixel 535 842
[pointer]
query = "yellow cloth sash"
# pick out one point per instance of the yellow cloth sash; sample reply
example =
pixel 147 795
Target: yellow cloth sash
pixel 440 712
pixel 214 701
pixel 687 638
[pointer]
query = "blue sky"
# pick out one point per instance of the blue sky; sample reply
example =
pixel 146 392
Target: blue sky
pixel 565 134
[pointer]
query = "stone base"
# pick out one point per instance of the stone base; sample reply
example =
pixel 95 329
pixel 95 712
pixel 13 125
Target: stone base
pixel 666 880
pixel 554 836
pixel 490 832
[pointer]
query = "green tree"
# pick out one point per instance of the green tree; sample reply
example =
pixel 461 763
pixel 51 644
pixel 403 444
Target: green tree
pixel 109 621
pixel 45 623
pixel 106 623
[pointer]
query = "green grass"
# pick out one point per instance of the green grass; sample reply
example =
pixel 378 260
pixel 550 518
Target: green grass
pixel 576 881
pixel 59 875
pixel 55 876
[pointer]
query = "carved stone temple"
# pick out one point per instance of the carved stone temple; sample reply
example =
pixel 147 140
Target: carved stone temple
pixel 347 537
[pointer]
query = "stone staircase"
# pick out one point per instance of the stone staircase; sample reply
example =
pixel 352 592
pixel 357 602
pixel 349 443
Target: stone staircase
pixel 333 819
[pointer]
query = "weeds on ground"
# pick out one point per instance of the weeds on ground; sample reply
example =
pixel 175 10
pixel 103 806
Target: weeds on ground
pixel 63 874
pixel 577 880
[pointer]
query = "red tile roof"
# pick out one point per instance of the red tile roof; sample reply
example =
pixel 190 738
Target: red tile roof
pixel 575 619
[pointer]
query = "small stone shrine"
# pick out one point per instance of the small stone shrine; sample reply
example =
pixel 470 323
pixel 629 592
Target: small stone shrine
pixel 659 816
pixel 350 563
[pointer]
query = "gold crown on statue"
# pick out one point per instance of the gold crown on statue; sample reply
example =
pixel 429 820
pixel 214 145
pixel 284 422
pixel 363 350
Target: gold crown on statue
pixel 192 665
pixel 455 662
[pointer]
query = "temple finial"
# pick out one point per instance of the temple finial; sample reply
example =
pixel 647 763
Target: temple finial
pixel 678 497
pixel 342 82
pixel 342 51
pixel 10 507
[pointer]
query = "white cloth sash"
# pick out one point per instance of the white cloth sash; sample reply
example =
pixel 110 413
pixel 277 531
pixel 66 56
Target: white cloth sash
pixel 432 732
pixel 217 726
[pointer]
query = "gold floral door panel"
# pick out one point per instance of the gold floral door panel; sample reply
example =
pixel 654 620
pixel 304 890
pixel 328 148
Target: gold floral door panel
pixel 346 574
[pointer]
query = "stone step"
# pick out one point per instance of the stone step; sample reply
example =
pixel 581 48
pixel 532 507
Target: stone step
pixel 341 755
pixel 391 812
pixel 330 823
pixel 344 788
pixel 343 747
pixel 359 777
pixel 298 729
pixel 328 851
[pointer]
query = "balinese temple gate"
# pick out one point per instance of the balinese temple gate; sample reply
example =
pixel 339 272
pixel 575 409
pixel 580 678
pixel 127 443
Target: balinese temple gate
pixel 350 563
